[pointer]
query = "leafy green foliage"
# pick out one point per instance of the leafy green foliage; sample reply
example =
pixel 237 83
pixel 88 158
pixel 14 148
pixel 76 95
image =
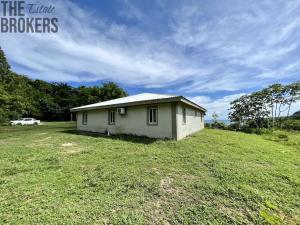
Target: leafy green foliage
pixel 4 66
pixel 24 97
pixel 51 174
pixel 217 125
pixel 296 115
pixel 265 108
pixel 291 124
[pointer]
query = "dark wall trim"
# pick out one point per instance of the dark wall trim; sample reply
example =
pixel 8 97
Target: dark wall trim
pixel 174 122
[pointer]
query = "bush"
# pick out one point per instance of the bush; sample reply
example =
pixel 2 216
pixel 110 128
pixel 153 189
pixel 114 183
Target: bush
pixel 283 136
pixel 296 115
pixel 234 126
pixel 248 130
pixel 207 125
pixel 291 124
pixel 219 125
pixel 277 135
pixel 264 131
pixel 3 116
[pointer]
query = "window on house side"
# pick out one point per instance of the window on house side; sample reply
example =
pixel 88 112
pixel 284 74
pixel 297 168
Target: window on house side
pixel 84 118
pixel 183 115
pixel 152 116
pixel 112 117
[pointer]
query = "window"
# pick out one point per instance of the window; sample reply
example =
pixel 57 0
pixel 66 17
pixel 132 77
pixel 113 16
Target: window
pixel 197 113
pixel 152 116
pixel 84 118
pixel 183 115
pixel 112 117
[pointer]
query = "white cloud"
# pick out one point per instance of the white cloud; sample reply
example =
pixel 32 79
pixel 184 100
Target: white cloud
pixel 228 45
pixel 109 52
pixel 295 107
pixel 219 106
pixel 252 39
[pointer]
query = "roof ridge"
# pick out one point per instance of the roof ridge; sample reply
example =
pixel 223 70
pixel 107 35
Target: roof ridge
pixel 137 98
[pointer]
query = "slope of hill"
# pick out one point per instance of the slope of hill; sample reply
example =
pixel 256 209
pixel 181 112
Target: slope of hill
pixel 51 174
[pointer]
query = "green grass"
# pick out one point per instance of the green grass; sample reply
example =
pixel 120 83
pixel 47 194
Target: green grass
pixel 52 175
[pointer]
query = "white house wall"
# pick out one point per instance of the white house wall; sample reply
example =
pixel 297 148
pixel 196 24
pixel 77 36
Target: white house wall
pixel 134 122
pixel 193 123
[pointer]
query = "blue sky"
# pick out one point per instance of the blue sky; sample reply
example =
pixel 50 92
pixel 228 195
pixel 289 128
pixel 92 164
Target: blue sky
pixel 207 50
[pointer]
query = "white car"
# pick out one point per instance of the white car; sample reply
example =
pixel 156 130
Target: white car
pixel 25 121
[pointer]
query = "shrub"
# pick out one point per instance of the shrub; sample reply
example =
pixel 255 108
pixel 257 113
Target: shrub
pixel 3 116
pixel 291 124
pixel 207 125
pixel 283 136
pixel 296 115
pixel 233 126
pixel 219 125
pixel 264 131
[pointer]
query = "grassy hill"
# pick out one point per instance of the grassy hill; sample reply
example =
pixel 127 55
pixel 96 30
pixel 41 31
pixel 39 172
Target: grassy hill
pixel 52 175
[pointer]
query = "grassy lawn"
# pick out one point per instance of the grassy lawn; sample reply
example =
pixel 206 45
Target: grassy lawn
pixel 51 175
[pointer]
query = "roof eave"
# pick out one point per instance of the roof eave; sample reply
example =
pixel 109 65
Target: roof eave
pixel 155 101
pixel 186 101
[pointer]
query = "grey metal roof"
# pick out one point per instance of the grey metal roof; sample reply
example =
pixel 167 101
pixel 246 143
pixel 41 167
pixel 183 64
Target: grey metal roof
pixel 139 99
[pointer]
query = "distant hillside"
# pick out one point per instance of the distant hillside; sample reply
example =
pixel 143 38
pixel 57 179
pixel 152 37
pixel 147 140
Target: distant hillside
pixel 296 115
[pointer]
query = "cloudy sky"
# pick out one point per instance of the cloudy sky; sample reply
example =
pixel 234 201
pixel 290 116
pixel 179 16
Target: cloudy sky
pixel 210 51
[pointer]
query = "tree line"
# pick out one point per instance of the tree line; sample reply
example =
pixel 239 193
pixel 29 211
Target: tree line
pixel 265 108
pixel 21 96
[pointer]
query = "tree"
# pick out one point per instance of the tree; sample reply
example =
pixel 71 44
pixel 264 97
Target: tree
pixel 293 91
pixel 4 66
pixel 215 116
pixel 259 107
pixel 249 108
pixel 296 115
pixel 21 96
pixel 111 90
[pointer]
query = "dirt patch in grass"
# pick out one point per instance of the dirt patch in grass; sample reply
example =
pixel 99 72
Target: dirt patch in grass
pixel 71 148
pixel 158 209
pixel 40 134
pixel 44 139
pixel 68 145
pixel 156 213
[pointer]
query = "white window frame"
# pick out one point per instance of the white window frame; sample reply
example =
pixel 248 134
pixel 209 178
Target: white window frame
pixel 152 116
pixel 84 118
pixel 183 115
pixel 112 119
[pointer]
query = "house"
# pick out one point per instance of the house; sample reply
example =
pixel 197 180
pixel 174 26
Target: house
pixel 152 115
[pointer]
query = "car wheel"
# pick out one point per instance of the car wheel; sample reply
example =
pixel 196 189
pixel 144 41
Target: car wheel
pixel 20 124
pixel 35 124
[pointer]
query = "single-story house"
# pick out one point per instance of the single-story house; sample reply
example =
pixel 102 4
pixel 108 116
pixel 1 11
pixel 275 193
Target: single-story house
pixel 152 115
